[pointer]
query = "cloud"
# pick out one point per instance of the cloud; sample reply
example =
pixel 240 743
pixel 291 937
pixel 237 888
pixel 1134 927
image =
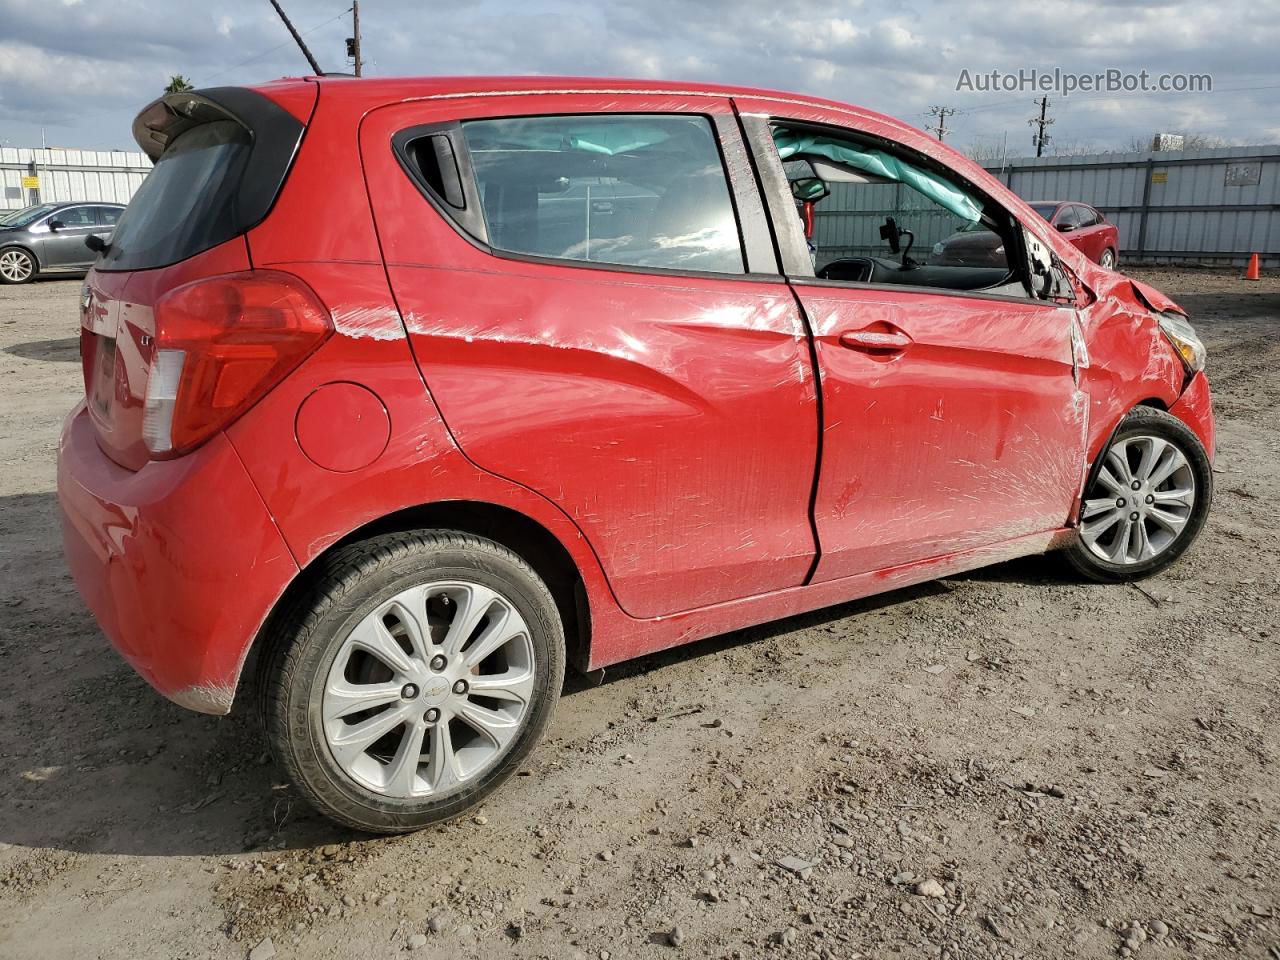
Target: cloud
pixel 82 68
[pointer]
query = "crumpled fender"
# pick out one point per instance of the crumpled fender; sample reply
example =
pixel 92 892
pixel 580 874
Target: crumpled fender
pixel 1151 298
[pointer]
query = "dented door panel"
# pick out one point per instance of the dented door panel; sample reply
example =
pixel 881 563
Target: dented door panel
pixel 971 436
pixel 672 417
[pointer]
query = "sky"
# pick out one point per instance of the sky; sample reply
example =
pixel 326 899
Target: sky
pixel 80 69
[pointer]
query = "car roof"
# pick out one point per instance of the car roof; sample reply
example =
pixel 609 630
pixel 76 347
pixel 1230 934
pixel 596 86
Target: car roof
pixel 394 89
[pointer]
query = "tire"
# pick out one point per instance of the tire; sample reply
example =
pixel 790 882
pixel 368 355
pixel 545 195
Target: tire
pixel 321 644
pixel 1170 519
pixel 1108 260
pixel 17 266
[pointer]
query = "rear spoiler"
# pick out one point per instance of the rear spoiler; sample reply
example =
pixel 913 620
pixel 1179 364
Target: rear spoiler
pixel 163 120
pixel 274 133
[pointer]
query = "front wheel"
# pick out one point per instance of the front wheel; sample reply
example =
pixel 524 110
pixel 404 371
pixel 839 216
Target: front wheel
pixel 1108 259
pixel 413 679
pixel 1147 499
pixel 16 266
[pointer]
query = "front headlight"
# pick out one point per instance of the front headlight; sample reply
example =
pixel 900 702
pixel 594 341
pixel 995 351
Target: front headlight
pixel 1183 337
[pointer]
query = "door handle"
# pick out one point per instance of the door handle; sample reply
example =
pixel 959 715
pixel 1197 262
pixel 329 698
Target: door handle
pixel 876 341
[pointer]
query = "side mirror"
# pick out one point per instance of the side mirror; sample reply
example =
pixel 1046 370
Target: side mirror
pixel 95 243
pixel 56 224
pixel 1066 227
pixel 889 232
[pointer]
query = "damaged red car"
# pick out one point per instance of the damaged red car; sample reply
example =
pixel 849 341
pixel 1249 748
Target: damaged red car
pixel 401 395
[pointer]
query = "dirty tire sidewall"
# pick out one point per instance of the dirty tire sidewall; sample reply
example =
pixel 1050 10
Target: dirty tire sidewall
pixel 354 583
pixel 1150 421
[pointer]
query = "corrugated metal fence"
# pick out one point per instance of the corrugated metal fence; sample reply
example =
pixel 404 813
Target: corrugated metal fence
pixel 847 223
pixel 59 175
pixel 1195 206
pixel 1210 206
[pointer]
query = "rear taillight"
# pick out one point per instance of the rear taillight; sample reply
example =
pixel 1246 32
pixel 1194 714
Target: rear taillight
pixel 220 344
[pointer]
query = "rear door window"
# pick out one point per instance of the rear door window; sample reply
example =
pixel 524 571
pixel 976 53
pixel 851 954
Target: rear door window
pixel 635 190
pixel 108 215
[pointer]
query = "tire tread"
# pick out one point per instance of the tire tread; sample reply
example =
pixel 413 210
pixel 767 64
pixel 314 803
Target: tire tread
pixel 293 628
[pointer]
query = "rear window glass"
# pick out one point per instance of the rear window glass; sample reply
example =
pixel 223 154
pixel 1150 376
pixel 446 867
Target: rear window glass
pixel 637 190
pixel 187 203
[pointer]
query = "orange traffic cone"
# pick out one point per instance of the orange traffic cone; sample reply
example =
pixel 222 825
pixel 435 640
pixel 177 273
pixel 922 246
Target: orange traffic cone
pixel 1252 272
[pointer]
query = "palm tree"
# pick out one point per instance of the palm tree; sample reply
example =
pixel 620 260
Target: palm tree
pixel 178 83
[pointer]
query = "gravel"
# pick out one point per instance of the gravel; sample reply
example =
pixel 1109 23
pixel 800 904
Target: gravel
pixel 1090 773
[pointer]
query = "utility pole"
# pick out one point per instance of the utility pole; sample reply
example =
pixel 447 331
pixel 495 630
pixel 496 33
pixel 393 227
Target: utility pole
pixel 1042 121
pixel 941 113
pixel 353 43
pixel 298 39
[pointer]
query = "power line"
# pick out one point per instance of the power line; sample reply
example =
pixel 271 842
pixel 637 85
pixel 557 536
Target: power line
pixel 940 128
pixel 264 53
pixel 353 44
pixel 1129 96
pixel 1041 138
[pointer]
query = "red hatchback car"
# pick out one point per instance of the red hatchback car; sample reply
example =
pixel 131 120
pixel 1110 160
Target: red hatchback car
pixel 421 389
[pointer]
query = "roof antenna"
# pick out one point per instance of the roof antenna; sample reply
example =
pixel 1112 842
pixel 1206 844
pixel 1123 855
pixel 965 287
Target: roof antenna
pixel 298 37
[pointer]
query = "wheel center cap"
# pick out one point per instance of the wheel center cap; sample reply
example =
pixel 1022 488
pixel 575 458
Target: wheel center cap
pixel 435 691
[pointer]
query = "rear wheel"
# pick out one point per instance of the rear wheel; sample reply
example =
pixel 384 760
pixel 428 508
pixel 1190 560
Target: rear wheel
pixel 1147 500
pixel 16 265
pixel 1108 259
pixel 413 680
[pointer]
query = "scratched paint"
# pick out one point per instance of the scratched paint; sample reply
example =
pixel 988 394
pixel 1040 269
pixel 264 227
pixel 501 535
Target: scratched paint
pixel 376 323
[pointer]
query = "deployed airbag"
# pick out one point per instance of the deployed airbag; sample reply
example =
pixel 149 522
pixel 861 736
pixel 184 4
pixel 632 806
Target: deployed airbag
pixel 793 143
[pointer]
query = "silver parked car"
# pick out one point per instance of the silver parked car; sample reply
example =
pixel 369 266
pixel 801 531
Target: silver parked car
pixel 50 238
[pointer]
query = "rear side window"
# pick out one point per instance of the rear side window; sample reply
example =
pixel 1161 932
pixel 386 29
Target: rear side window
pixel 635 190
pixel 108 215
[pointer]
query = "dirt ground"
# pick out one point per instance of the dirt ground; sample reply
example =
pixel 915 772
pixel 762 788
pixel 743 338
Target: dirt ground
pixel 1004 764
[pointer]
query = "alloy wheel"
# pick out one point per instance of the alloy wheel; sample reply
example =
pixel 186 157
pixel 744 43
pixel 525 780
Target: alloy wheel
pixel 15 266
pixel 1108 260
pixel 429 690
pixel 1140 501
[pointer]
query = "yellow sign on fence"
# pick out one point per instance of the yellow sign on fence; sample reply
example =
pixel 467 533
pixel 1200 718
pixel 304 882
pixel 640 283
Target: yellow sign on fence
pixel 31 183
pixel 1160 176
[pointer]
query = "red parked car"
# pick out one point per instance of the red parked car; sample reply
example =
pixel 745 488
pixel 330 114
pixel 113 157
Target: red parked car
pixel 484 376
pixel 1086 228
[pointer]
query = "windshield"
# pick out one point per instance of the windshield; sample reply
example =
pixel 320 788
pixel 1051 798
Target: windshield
pixel 1045 209
pixel 187 204
pixel 28 215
